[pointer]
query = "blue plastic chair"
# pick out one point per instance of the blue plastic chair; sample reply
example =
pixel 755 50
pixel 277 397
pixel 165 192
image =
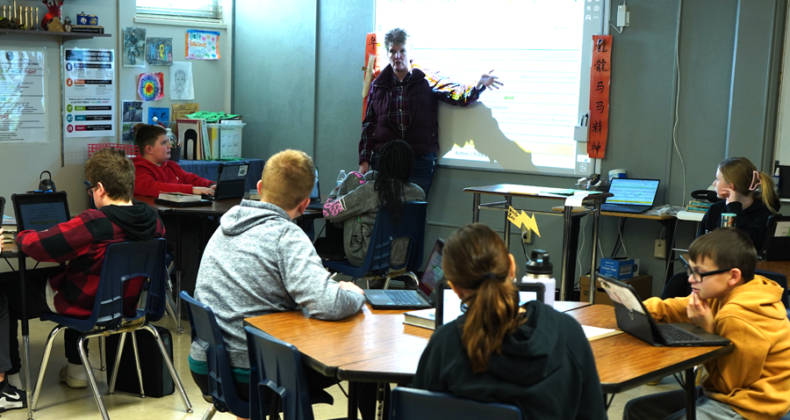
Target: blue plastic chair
pixel 122 262
pixel 277 366
pixel 377 260
pixel 206 332
pixel 418 404
pixel 780 279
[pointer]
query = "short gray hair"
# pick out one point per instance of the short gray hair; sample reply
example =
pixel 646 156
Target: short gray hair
pixel 395 36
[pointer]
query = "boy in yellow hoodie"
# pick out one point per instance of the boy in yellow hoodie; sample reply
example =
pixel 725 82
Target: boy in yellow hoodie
pixel 728 299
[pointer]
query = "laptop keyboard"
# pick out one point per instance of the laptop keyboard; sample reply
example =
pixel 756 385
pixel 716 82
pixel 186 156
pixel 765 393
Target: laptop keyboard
pixel 673 334
pixel 621 207
pixel 403 297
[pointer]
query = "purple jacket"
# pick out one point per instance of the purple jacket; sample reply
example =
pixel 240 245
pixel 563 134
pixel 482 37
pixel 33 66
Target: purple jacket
pixel 424 91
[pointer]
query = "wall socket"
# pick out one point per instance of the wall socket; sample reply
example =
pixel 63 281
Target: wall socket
pixel 526 236
pixel 660 249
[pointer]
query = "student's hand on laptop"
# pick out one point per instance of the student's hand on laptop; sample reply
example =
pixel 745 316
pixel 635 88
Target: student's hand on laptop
pixel 347 285
pixel 699 312
pixel 202 191
pixel 213 187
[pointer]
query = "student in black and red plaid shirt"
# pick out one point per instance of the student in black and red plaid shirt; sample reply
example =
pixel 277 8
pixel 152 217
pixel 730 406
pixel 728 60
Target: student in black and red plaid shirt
pixel 82 242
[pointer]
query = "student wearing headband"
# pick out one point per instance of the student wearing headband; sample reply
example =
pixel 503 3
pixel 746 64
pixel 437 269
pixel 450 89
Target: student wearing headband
pixel 530 356
pixel 745 192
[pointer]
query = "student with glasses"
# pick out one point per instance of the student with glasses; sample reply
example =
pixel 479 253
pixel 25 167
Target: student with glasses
pixel 728 299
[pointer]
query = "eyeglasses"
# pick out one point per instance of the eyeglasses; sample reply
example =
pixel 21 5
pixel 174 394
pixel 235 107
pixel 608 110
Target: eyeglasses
pixel 698 277
pixel 89 190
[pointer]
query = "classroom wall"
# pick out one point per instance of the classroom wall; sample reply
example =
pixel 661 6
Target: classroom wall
pixel 21 163
pixel 729 54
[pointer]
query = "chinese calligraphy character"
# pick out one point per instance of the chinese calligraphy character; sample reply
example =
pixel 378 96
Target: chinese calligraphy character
pixel 599 107
pixel 597 126
pixel 599 87
pixel 601 45
pixel 596 146
pixel 600 65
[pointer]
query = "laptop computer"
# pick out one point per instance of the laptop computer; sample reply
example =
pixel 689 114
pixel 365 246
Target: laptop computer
pixel 631 195
pixel 777 241
pixel 231 179
pixel 633 318
pixel 449 307
pixel 315 195
pixel 385 299
pixel 40 211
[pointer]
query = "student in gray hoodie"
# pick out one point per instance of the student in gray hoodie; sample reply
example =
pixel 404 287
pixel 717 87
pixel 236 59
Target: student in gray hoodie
pixel 355 203
pixel 530 356
pixel 260 262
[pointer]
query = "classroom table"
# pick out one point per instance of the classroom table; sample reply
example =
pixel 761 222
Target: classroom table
pixel 11 250
pixel 375 346
pixel 508 191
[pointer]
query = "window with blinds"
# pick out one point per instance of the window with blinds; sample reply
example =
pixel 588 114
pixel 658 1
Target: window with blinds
pixel 186 10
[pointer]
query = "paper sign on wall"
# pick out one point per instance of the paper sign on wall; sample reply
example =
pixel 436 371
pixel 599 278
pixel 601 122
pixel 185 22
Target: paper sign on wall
pixel 202 45
pixel 150 86
pixel 89 93
pixel 23 116
pixel 600 79
pixel 520 219
pixel 159 51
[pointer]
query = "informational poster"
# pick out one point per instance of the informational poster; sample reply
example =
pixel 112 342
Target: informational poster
pixel 22 108
pixel 89 93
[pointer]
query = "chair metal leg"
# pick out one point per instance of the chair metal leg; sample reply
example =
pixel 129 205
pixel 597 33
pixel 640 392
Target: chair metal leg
pixel 137 363
pixel 114 376
pixel 91 378
pixel 169 305
pixel 387 282
pixel 44 362
pixel 413 277
pixel 101 354
pixel 169 363
pixel 210 413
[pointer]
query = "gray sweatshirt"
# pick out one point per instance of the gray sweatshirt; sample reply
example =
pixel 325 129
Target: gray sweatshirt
pixel 260 262
pixel 354 204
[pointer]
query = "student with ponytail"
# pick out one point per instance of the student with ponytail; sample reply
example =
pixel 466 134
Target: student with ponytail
pixel 530 356
pixel 745 192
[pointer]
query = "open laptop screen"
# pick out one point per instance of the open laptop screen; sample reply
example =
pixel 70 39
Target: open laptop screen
pixel 639 192
pixel 450 306
pixel 40 211
pixel 433 270
pixel 316 194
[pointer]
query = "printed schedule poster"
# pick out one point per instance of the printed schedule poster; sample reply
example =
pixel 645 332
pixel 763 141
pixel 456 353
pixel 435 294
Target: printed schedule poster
pixel 22 107
pixel 89 100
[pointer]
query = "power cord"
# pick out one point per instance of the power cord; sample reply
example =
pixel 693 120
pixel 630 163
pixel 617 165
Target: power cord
pixel 677 104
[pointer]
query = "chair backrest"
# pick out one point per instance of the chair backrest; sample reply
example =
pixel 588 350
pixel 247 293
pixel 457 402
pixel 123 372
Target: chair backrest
pixel 780 279
pixel 418 404
pixel 277 365
pixel 126 261
pixel 412 226
pixel 206 332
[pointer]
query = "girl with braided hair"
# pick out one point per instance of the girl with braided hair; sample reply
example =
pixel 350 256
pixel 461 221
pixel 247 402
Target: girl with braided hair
pixel 530 356
pixel 354 204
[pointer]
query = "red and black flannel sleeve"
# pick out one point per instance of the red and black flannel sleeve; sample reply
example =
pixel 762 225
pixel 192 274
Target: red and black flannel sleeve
pixel 67 240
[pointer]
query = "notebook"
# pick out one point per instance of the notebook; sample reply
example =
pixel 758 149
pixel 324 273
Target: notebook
pixel 40 211
pixel 631 195
pixel 777 241
pixel 633 318
pixel 315 195
pixel 449 306
pixel 231 180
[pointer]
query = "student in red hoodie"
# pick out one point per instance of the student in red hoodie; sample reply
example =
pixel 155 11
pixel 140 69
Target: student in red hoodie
pixel 155 172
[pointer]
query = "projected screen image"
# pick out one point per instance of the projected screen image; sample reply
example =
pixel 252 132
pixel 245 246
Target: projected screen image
pixel 537 49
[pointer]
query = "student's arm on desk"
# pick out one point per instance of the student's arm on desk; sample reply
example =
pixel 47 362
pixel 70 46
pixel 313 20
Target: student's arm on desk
pixel 190 178
pixel 65 241
pixel 668 310
pixel 306 280
pixel 145 183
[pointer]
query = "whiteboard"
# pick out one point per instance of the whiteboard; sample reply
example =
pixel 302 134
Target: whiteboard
pixel 540 50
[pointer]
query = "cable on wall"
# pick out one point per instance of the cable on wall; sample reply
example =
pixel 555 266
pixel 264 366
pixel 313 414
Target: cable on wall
pixel 677 103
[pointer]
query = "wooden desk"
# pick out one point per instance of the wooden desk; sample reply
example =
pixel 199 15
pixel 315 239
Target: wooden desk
pixel 11 250
pixel 508 191
pixel 375 346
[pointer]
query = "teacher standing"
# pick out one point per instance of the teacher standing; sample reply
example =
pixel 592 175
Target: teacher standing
pixel 404 104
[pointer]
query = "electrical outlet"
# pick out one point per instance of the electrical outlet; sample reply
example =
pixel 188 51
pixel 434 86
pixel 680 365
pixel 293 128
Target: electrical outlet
pixel 526 236
pixel 660 249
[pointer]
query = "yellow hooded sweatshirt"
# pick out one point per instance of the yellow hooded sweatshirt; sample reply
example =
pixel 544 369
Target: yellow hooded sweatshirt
pixel 755 378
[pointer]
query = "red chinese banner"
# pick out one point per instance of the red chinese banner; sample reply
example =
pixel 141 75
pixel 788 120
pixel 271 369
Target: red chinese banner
pixel 371 68
pixel 600 79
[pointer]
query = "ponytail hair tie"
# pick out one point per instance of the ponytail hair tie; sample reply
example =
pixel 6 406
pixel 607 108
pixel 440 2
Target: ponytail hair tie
pixel 487 276
pixel 756 182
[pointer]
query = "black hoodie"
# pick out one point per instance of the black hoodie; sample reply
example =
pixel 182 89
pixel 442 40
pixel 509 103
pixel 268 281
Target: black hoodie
pixel 753 220
pixel 138 221
pixel 546 368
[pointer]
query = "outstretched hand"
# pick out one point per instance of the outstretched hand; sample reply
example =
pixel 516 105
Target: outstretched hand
pixel 489 80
